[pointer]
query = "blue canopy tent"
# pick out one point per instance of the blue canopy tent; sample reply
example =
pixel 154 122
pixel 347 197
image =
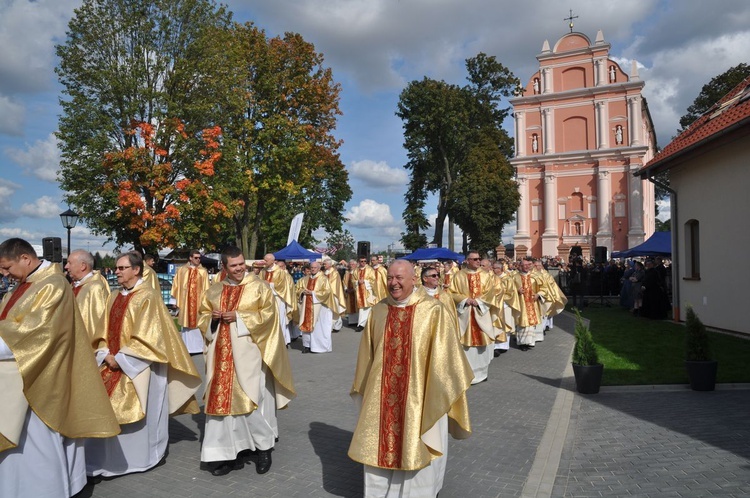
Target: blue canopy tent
pixel 434 253
pixel 659 244
pixel 294 251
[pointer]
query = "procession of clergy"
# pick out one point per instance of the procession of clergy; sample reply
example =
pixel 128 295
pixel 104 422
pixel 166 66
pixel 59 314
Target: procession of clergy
pixel 90 376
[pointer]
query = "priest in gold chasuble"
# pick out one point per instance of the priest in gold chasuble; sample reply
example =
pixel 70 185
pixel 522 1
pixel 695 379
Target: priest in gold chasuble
pixel 473 291
pixel 248 375
pixel 43 413
pixel 553 298
pixel 364 277
pixel 188 286
pixel 147 372
pixel 410 381
pixel 282 287
pixel 316 304
pixel 337 291
pixel 529 318
pixel 350 290
pixel 91 290
pixel 508 303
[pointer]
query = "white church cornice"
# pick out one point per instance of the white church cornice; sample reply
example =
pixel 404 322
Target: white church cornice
pixel 579 93
pixel 624 154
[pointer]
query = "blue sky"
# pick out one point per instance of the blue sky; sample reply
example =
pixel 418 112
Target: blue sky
pixel 374 47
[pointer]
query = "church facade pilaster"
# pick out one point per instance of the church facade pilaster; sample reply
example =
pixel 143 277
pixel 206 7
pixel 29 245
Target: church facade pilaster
pixel 636 232
pixel 604 211
pixel 547 132
pixel 634 120
pixel 601 125
pixel 520 133
pixel 550 235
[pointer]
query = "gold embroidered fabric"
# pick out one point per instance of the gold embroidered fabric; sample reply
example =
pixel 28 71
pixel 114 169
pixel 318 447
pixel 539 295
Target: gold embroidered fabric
pixel 148 332
pixel 436 383
pixel 258 311
pixel 91 298
pixel 188 287
pixel 478 285
pixel 46 334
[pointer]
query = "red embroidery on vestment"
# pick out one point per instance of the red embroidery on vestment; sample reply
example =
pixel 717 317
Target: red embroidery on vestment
pixel 192 298
pixel 397 346
pixel 220 395
pixel 114 332
pixel 307 323
pixel 15 296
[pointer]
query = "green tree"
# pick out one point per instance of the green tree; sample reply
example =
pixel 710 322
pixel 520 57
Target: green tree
pixel 713 91
pixel 484 197
pixel 663 226
pixel 277 105
pixel 443 124
pixel 342 245
pixel 120 67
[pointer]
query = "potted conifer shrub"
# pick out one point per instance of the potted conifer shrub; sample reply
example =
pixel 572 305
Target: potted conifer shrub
pixel 701 369
pixel 586 367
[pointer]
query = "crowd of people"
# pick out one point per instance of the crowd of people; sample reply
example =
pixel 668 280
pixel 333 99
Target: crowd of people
pixel 428 332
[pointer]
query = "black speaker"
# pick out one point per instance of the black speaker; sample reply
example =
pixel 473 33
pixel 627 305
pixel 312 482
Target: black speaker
pixel 52 249
pixel 600 254
pixel 363 249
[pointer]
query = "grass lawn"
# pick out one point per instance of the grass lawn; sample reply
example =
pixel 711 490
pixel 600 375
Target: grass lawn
pixel 642 351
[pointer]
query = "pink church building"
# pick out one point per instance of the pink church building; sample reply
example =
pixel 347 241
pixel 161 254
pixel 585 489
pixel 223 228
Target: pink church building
pixel 582 131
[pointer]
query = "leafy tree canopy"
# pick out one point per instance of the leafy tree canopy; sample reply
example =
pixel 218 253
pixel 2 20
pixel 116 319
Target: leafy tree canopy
pixel 713 91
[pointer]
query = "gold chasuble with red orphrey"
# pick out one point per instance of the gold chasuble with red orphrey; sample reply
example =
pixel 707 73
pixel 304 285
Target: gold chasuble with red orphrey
pixel 41 325
pixel 188 286
pixel 528 285
pixel 307 322
pixel 475 291
pixel 139 325
pixel 396 366
pixel 479 285
pixel 365 298
pixel 192 301
pixel 112 377
pixel 219 401
pixel 411 370
pixel 234 361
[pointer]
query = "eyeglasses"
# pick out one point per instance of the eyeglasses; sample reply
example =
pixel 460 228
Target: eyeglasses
pixel 121 268
pixel 432 275
pixel 473 259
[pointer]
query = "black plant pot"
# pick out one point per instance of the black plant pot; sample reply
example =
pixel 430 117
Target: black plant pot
pixel 588 378
pixel 702 374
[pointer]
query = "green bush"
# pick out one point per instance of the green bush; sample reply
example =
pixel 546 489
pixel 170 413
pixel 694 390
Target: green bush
pixel 584 352
pixel 696 338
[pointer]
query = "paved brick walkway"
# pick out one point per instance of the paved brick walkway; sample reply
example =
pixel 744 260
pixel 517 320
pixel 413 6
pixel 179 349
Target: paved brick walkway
pixel 616 443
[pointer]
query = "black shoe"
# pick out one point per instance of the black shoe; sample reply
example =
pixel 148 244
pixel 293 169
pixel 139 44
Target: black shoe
pixel 248 456
pixel 264 461
pixel 305 350
pixel 497 353
pixel 360 328
pixel 226 467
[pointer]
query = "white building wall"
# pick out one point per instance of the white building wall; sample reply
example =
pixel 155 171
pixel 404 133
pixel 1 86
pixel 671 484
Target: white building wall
pixel 712 188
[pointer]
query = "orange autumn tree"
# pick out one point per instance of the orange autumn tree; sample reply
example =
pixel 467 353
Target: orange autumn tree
pixel 162 184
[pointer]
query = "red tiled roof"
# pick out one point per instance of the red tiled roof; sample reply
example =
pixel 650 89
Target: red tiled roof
pixel 732 110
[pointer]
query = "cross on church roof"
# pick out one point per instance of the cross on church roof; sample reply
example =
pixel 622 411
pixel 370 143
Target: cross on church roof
pixel 570 18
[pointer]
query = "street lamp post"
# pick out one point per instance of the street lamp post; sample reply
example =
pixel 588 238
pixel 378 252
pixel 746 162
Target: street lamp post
pixel 69 219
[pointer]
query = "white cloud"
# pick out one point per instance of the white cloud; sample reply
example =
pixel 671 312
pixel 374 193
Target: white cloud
pixel 12 116
pixel 28 32
pixel 41 159
pixel 6 233
pixel 43 207
pixel 378 174
pixel 370 214
pixel 7 189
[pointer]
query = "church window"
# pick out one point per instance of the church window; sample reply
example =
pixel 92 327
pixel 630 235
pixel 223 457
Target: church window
pixel 692 249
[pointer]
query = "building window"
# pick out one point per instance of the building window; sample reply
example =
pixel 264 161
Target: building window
pixel 692 249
